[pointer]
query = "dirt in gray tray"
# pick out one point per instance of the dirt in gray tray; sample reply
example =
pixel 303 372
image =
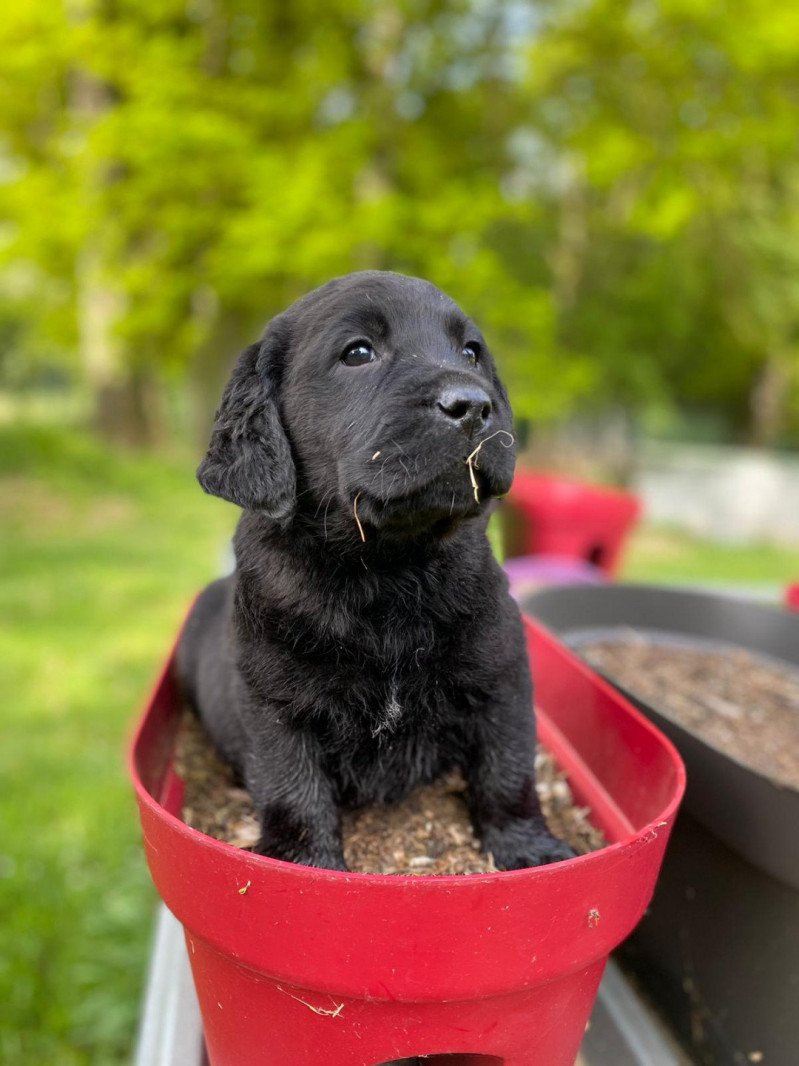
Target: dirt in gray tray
pixel 429 832
pixel 741 703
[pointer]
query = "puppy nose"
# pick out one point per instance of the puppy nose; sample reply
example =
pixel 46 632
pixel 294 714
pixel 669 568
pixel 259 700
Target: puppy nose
pixel 468 405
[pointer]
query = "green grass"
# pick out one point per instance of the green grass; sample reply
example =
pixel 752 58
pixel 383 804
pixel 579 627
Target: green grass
pixel 669 555
pixel 101 554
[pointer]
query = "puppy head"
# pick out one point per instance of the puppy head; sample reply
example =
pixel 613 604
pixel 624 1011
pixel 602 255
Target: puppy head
pixel 374 391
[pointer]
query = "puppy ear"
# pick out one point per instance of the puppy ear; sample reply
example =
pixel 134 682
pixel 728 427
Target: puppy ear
pixel 249 458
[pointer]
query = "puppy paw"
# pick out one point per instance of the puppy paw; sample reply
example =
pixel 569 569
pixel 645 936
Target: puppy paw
pixel 518 847
pixel 324 862
pixel 322 858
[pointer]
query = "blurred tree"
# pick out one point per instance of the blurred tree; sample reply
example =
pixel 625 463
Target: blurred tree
pixel 674 127
pixel 186 169
pixel 608 186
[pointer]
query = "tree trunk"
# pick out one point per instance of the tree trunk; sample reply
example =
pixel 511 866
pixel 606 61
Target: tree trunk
pixel 119 412
pixel 210 367
pixel 568 256
pixel 768 400
pixel 130 411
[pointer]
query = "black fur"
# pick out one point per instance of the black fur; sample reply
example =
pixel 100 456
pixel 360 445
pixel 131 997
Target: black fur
pixel 334 671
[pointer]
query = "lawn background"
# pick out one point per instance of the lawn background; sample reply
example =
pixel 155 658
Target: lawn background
pixel 102 551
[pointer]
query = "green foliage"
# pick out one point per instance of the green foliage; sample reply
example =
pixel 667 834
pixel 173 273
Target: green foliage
pixel 220 157
pixel 609 186
pixel 676 126
pixel 102 554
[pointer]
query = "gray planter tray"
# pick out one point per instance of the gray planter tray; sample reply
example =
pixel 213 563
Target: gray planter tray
pixel 718 949
pixel 743 808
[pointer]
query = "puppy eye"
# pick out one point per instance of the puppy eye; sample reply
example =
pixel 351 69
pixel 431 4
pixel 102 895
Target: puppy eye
pixel 358 354
pixel 471 352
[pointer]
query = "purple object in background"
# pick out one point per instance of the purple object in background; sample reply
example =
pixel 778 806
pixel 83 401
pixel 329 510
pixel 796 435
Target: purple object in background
pixel 529 572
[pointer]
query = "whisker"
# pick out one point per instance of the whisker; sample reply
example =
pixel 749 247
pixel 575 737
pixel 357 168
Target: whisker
pixel 321 502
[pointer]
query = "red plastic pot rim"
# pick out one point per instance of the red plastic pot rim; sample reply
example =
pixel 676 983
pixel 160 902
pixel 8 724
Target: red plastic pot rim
pixel 549 737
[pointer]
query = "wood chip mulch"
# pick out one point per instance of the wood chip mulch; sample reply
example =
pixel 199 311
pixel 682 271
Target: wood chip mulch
pixel 741 703
pixel 428 833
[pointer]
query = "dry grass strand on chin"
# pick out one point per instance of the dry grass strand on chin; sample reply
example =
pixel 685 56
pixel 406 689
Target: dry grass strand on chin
pixel 471 460
pixel 357 519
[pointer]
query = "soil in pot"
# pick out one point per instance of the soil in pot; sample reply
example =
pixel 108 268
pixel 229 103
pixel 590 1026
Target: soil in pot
pixel 741 703
pixel 428 833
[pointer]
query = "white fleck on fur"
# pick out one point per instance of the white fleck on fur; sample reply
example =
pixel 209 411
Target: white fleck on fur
pixel 392 712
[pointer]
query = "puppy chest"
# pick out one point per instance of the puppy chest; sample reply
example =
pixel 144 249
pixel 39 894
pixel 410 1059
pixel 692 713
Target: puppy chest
pixel 377 751
pixel 377 773
pixel 378 705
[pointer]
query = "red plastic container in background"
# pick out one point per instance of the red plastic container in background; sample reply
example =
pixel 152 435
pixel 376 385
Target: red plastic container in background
pixel 792 596
pixel 556 516
pixel 297 966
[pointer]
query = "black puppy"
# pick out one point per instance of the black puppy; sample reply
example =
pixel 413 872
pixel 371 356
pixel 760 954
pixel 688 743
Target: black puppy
pixel 367 641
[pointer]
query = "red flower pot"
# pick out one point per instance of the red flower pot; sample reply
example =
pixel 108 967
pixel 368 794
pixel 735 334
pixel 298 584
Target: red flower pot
pixel 792 596
pixel 558 517
pixel 296 966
